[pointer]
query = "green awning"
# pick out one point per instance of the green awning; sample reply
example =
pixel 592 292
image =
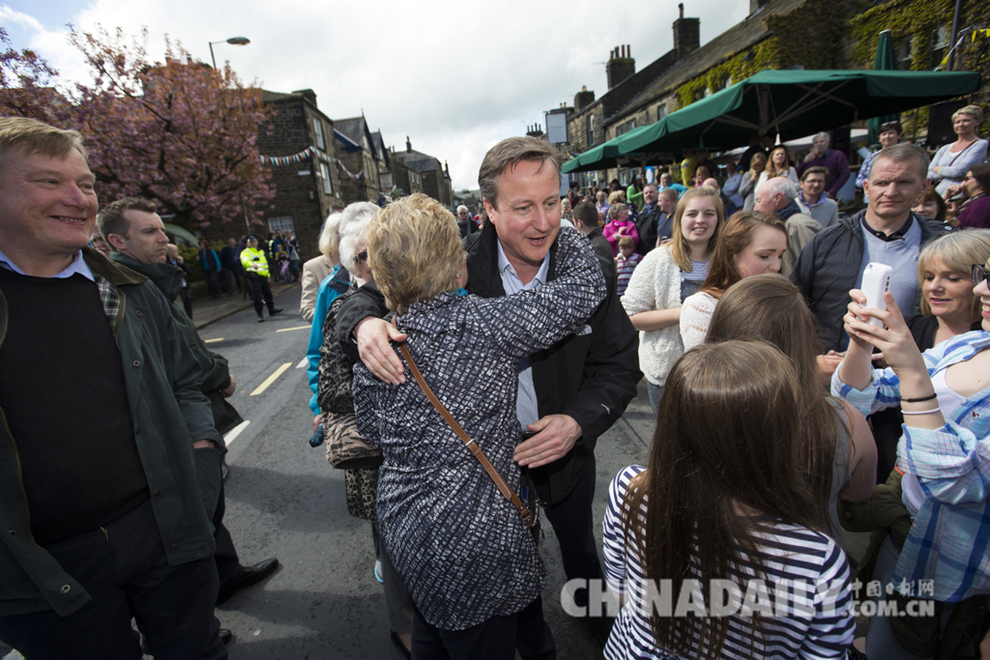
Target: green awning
pixel 603 156
pixel 796 103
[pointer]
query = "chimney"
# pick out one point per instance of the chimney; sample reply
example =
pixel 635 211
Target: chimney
pixel 620 65
pixel 408 145
pixel 583 99
pixel 307 94
pixel 756 5
pixel 687 37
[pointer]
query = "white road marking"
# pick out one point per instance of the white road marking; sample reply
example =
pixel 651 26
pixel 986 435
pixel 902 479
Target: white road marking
pixel 302 363
pixel 210 341
pixel 298 327
pixel 271 379
pixel 234 432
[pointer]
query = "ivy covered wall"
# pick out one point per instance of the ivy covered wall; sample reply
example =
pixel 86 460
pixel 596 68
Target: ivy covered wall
pixel 811 35
pixel 842 34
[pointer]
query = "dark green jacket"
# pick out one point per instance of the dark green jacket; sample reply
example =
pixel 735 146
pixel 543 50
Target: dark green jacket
pixel 162 379
pixel 216 375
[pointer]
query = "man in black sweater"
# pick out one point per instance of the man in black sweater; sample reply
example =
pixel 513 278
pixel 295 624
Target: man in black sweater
pixel 109 460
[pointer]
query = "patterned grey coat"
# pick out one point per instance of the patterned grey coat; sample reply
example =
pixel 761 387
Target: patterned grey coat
pixel 462 549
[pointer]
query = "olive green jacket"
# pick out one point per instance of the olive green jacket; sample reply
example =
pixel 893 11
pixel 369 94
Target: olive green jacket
pixel 169 412
pixel 216 374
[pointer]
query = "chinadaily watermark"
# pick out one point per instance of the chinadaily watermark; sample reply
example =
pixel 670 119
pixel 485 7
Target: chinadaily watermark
pixel 770 599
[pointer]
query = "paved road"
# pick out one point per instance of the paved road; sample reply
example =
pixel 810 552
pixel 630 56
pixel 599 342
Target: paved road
pixel 284 500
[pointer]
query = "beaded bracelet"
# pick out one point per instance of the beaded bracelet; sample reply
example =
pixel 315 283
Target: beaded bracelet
pixel 921 412
pixel 920 399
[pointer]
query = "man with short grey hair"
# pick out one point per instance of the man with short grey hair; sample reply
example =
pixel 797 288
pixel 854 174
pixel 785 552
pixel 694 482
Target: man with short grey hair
pixel 832 160
pixel 778 196
pixel 887 231
pixel 465 222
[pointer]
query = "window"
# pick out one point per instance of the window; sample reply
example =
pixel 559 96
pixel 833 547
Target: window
pixel 318 130
pixel 624 178
pixel 626 127
pixel 902 53
pixel 284 223
pixel 591 129
pixel 661 111
pixel 940 45
pixel 325 175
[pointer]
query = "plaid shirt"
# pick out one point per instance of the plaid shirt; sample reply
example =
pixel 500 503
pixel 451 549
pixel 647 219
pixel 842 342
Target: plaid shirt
pixel 949 541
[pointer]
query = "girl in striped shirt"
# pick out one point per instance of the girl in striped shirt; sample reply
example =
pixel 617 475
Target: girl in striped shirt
pixel 716 549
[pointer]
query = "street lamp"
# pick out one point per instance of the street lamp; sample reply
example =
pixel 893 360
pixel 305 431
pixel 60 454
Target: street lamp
pixel 233 41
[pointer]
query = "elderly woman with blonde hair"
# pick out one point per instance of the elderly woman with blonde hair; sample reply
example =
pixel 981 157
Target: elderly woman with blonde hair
pixel 332 285
pixel 951 162
pixel 463 549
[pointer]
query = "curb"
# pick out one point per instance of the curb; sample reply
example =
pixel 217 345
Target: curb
pixel 240 308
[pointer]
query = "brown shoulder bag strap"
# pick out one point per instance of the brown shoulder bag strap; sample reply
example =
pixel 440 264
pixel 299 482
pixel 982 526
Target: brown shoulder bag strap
pixel 471 445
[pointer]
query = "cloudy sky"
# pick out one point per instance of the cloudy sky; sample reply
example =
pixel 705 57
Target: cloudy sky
pixel 456 77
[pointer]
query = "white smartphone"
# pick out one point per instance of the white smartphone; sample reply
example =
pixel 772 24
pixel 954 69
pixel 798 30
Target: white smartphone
pixel 876 280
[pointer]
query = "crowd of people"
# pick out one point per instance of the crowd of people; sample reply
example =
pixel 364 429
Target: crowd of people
pixel 462 375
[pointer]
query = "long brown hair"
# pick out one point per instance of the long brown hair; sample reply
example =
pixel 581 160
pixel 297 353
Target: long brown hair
pixel 679 248
pixel 724 467
pixel 770 308
pixel 733 239
pixel 772 170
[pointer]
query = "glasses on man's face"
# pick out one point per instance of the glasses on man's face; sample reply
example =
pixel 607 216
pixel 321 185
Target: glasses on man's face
pixel 361 257
pixel 979 274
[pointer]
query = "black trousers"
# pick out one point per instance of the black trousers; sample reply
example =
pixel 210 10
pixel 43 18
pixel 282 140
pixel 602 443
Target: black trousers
pixel 574 526
pixel 259 288
pixel 494 639
pixel 126 572
pixel 229 569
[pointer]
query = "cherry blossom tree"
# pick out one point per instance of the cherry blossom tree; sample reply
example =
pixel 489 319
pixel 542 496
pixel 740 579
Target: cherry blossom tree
pixel 178 132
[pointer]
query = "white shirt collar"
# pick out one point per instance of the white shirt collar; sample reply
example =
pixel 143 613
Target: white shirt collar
pixel 78 266
pixel 505 267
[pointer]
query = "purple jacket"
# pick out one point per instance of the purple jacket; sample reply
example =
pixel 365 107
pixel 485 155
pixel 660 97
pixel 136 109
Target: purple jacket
pixel 976 215
pixel 838 169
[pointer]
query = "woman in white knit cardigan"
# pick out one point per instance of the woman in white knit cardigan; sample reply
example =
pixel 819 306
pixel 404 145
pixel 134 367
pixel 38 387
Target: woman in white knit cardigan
pixel 665 278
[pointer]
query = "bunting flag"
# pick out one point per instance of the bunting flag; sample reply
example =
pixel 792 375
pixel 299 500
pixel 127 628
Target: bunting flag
pixel 289 160
pixel 353 176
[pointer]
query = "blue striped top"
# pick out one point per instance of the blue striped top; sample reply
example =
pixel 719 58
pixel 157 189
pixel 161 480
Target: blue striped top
pixel 804 601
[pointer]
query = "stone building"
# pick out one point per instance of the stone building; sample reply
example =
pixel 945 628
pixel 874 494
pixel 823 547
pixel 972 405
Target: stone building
pixel 307 187
pixel 433 179
pixel 359 160
pixel 384 161
pixel 405 181
pixel 776 34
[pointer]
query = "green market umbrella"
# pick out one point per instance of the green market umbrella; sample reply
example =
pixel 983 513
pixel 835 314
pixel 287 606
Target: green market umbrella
pixel 601 157
pixel 794 104
pixel 884 61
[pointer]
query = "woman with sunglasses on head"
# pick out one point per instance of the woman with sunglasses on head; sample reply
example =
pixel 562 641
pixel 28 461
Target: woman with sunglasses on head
pixel 944 456
pixel 890 134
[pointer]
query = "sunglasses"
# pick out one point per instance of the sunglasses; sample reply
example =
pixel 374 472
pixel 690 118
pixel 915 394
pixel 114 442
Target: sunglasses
pixel 361 257
pixel 979 274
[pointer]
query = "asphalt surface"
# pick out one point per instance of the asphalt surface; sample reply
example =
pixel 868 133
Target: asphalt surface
pixel 285 501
